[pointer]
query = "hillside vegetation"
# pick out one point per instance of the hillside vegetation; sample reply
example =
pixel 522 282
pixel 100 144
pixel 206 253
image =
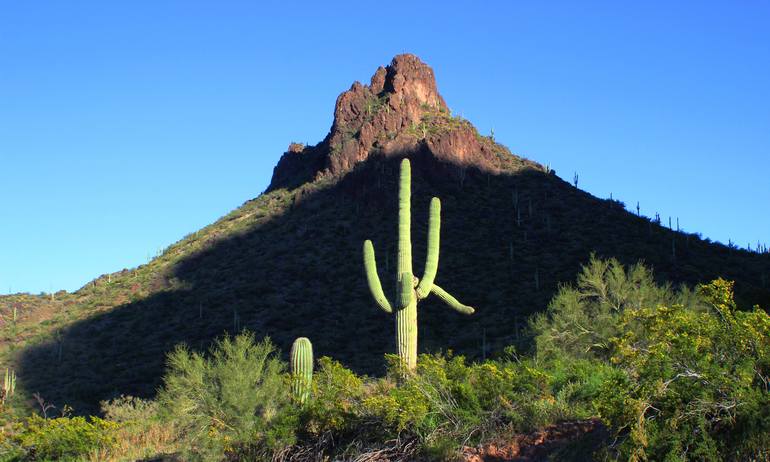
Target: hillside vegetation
pixel 622 369
pixel 288 264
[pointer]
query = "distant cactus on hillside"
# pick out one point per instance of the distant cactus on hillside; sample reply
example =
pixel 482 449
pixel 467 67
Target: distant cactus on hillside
pixel 9 384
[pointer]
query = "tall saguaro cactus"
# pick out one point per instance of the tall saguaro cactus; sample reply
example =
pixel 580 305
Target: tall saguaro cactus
pixel 409 289
pixel 301 369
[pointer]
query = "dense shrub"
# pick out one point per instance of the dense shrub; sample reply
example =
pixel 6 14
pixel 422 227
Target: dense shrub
pixel 336 398
pixel 581 319
pixel 683 376
pixel 443 405
pixel 447 403
pixel 233 400
pixel 65 438
pixel 142 434
pixel 696 385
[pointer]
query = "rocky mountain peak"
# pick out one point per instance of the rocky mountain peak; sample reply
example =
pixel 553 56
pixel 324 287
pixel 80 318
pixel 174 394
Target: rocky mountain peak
pixel 399 112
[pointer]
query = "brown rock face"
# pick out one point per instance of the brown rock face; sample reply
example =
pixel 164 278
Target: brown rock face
pixel 399 112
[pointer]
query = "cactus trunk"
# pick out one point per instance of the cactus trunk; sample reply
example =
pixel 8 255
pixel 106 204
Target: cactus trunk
pixel 406 334
pixel 301 369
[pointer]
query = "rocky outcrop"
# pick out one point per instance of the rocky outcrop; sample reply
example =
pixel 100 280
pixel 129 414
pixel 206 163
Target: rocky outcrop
pixel 298 165
pixel 399 112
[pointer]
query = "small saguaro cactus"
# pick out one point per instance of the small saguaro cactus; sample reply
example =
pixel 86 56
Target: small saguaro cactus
pixel 301 369
pixel 9 384
pixel 410 289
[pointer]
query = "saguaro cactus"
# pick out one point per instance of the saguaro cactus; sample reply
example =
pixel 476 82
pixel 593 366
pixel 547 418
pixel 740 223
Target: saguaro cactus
pixel 410 289
pixel 301 369
pixel 9 384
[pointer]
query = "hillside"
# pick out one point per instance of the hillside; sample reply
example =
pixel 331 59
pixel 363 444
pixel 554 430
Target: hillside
pixel 288 263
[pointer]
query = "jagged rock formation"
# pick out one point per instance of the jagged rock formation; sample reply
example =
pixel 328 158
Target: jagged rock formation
pixel 400 111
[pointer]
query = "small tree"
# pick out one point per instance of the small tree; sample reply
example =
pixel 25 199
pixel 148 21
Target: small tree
pixel 232 397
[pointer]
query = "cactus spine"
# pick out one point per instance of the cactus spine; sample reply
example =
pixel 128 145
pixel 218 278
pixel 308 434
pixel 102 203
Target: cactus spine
pixel 301 369
pixel 409 289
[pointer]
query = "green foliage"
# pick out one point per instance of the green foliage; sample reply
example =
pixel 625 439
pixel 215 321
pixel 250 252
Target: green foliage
pixel 65 438
pixel 444 403
pixel 301 369
pixel 410 289
pixel 233 399
pixel 336 398
pixel 448 399
pixel 696 383
pixel 689 374
pixel 581 319
pixel 129 410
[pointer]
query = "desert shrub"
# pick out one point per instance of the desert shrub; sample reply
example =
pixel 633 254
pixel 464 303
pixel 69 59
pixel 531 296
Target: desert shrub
pixel 335 404
pixel 65 438
pixel 694 383
pixel 447 403
pixel 234 400
pixel 579 382
pixel 10 447
pixel 581 319
pixel 435 401
pixel 688 372
pixel 129 410
pixel 142 434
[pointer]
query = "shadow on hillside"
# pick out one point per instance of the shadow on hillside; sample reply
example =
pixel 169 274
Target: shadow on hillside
pixel 300 274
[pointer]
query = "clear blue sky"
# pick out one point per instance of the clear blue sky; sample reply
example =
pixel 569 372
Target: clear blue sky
pixel 126 125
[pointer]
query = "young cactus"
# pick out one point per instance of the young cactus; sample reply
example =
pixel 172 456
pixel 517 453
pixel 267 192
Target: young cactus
pixel 410 289
pixel 301 369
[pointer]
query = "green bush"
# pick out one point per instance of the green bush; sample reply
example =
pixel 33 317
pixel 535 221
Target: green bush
pixel 581 319
pixel 129 410
pixel 444 404
pixel 688 373
pixel 696 383
pixel 65 438
pixel 236 400
pixel 448 401
pixel 335 404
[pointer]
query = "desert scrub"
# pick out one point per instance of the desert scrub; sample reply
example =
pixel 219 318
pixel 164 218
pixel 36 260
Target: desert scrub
pixel 447 403
pixel 694 384
pixel 582 318
pixel 336 400
pixel 233 400
pixel 678 375
pixel 129 410
pixel 444 404
pixel 141 433
pixel 63 438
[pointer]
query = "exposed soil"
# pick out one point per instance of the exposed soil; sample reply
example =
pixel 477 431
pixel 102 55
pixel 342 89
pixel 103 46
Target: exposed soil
pixel 562 441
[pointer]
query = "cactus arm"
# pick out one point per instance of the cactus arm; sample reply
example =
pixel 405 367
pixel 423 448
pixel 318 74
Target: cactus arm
pixel 375 287
pixel 451 301
pixel 431 260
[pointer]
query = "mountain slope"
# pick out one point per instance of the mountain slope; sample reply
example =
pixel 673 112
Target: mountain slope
pixel 288 263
